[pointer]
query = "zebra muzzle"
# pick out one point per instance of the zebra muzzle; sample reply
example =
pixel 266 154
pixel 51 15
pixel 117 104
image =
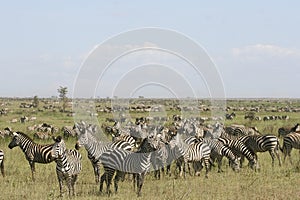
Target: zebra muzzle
pixel 77 146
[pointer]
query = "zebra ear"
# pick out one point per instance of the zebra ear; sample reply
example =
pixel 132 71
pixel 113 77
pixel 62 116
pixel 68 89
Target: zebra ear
pixel 15 134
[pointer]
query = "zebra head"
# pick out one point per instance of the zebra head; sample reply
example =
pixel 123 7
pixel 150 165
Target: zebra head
pixel 235 164
pixel 254 164
pixel 59 147
pixel 16 140
pixel 81 129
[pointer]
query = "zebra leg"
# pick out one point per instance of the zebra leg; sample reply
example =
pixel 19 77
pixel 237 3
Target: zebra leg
pixel 241 161
pixel 219 160
pixel 109 177
pixel 184 170
pixel 169 170
pixel 102 179
pixel 272 154
pixel 278 156
pixel 163 170
pixel 134 180
pixel 118 176
pixel 69 184
pixel 96 167
pixel 206 163
pixel 60 183
pixel 32 166
pixel 284 151
pixel 74 179
pixel 140 181
pixel 289 155
pixel 2 168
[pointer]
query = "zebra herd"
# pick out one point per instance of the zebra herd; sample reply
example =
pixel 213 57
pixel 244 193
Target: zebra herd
pixel 138 148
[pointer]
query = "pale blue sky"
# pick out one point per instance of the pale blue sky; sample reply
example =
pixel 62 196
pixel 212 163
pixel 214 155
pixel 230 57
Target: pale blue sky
pixel 255 44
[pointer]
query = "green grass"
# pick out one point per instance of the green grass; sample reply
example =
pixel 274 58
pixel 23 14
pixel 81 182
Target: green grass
pixel 269 183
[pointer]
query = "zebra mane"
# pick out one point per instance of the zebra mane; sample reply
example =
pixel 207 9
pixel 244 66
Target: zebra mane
pixel 24 135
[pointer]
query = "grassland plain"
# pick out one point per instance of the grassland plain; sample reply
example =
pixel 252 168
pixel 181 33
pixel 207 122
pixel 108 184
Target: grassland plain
pixel 268 183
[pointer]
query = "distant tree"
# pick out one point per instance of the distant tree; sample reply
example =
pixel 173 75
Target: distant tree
pixel 63 96
pixel 35 101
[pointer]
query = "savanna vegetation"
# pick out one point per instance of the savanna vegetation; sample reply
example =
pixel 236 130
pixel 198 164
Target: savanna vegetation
pixel 268 183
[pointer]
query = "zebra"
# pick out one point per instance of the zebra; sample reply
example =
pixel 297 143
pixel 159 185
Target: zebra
pixel 284 131
pixel 263 143
pixel 34 153
pixel 94 147
pixel 169 149
pixel 241 130
pixel 121 160
pixel 68 131
pixel 68 164
pixel 230 116
pixel 241 150
pixel 196 152
pixel 124 137
pixel 290 141
pixel 218 151
pixel 2 162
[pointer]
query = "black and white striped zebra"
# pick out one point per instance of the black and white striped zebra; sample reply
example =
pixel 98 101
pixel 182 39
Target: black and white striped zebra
pixel 263 143
pixel 219 150
pixel 290 141
pixel 123 161
pixel 2 162
pixel 68 131
pixel 95 147
pixel 124 137
pixel 170 148
pixel 195 153
pixel 241 150
pixel 34 153
pixel 68 165
pixel 241 130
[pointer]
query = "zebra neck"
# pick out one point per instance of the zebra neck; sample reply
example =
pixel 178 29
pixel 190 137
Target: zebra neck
pixel 92 144
pixel 62 163
pixel 26 144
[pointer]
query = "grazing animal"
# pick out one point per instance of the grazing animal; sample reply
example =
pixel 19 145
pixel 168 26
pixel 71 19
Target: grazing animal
pixel 284 131
pixel 241 150
pixel 95 147
pixel 122 161
pixel 68 131
pixel 263 143
pixel 241 130
pixel 290 141
pixel 197 152
pixel 219 150
pixel 34 153
pixel 68 164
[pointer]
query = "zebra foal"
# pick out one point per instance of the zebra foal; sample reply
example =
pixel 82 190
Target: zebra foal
pixel 68 164
pixel 34 153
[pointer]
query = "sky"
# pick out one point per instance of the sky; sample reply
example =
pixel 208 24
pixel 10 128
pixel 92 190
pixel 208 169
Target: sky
pixel 254 45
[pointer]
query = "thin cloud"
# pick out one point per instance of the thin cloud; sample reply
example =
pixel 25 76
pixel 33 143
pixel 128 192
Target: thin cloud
pixel 264 51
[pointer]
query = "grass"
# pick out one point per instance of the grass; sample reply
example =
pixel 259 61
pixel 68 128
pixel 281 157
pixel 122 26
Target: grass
pixel 269 183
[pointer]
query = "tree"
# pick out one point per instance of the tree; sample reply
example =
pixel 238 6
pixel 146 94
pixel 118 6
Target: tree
pixel 63 96
pixel 35 101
